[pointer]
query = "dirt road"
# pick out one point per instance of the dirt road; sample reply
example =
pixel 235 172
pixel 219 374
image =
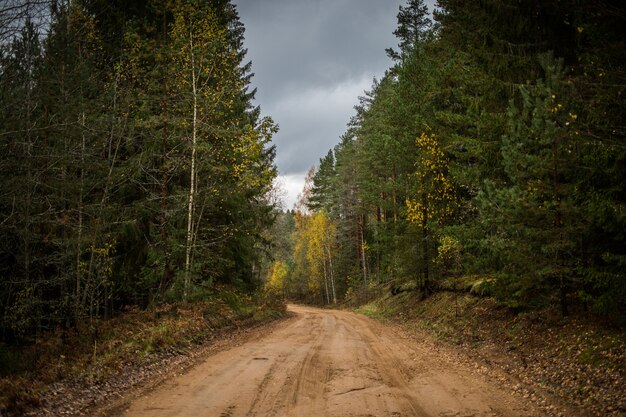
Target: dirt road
pixel 328 363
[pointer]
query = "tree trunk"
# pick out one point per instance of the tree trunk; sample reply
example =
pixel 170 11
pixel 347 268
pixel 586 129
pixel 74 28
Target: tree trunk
pixel 332 275
pixel 326 281
pixel 192 177
pixel 363 259
pixel 425 254
pixel 558 223
pixel 165 278
pixel 80 221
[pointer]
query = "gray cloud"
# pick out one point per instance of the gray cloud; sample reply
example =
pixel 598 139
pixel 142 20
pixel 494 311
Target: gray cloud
pixel 298 42
pixel 312 59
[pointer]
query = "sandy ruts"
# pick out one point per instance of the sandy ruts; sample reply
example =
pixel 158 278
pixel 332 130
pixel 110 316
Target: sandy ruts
pixel 328 363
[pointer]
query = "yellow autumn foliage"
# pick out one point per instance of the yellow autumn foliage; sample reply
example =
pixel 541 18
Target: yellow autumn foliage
pixel 276 281
pixel 436 194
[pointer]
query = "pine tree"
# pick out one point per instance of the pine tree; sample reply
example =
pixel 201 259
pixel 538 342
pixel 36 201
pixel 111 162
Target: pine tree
pixel 537 209
pixel 323 191
pixel 413 27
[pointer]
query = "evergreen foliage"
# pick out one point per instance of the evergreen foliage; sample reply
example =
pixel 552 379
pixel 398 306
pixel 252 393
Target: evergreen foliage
pixel 135 168
pixel 494 147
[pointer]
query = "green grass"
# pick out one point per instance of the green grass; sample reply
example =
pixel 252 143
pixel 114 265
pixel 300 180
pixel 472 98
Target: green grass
pixel 370 310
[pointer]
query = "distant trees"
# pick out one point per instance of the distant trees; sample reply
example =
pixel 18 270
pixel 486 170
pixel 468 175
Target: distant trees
pixel 494 146
pixel 135 168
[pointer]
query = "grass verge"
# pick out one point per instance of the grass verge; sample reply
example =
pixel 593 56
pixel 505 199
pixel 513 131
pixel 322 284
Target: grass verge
pixel 578 360
pixel 97 353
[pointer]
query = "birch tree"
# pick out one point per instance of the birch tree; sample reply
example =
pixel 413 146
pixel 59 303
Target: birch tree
pixel 208 89
pixel 434 199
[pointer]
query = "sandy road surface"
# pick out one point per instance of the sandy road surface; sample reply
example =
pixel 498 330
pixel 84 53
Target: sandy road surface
pixel 328 363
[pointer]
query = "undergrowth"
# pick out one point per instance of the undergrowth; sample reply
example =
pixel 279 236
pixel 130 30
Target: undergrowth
pixel 578 358
pixel 98 350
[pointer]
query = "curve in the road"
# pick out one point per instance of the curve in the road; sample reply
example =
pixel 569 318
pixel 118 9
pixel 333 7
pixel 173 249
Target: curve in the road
pixel 328 363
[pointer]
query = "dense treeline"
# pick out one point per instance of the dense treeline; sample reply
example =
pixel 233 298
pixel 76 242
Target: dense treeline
pixel 134 167
pixel 494 147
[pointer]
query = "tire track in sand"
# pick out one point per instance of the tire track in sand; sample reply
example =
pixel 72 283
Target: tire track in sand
pixel 328 363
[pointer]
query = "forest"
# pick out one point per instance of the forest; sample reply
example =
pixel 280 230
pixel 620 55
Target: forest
pixel 477 197
pixel 492 152
pixel 136 169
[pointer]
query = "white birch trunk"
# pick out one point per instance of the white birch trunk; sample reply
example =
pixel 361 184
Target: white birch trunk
pixel 332 274
pixel 192 174
pixel 363 259
pixel 326 281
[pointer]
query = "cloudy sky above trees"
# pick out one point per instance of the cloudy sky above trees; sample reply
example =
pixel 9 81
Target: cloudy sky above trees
pixel 312 59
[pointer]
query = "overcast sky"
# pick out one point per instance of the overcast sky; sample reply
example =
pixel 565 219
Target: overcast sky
pixel 312 59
